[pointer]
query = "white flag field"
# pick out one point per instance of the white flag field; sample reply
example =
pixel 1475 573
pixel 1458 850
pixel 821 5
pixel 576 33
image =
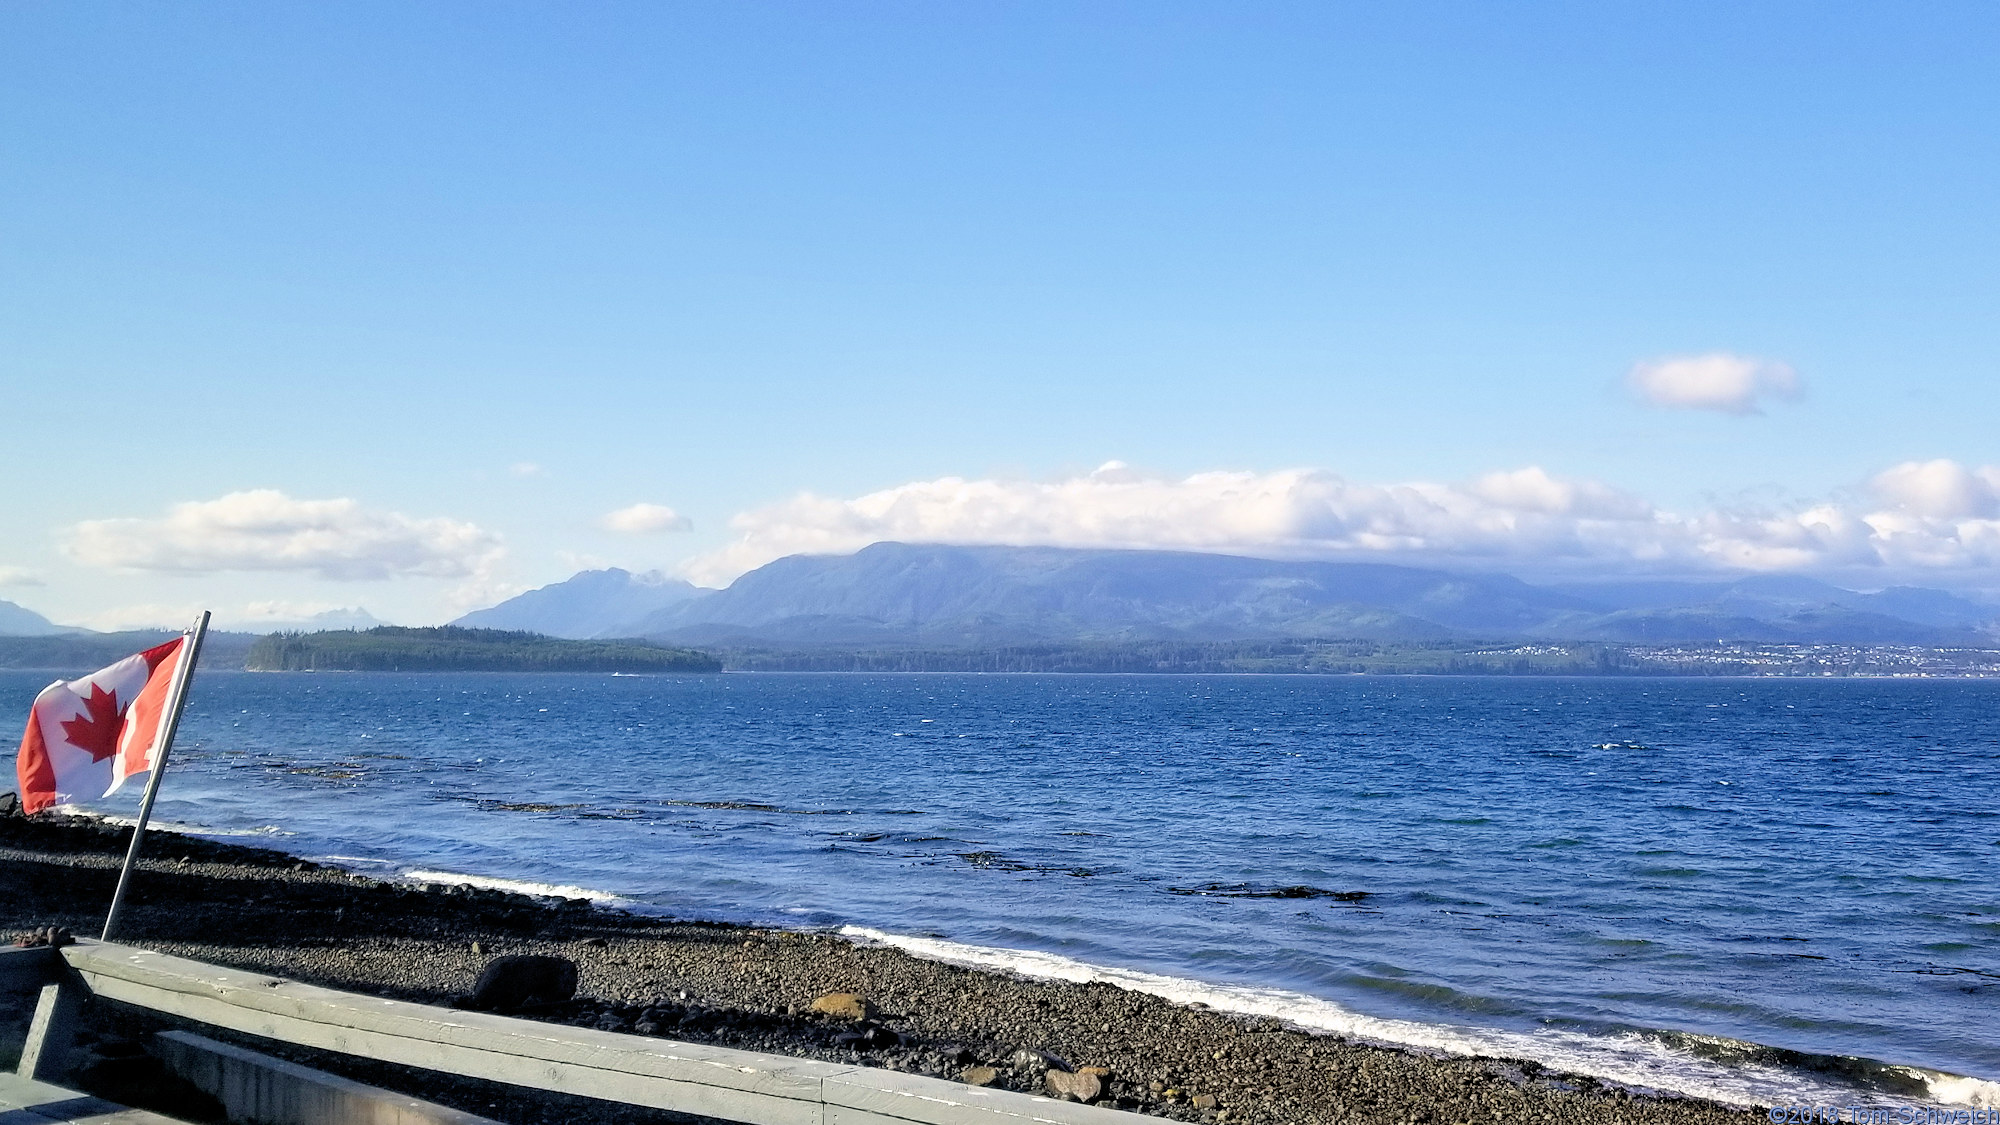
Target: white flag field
pixel 86 737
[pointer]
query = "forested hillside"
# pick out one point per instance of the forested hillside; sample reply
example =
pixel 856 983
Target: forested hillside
pixel 452 649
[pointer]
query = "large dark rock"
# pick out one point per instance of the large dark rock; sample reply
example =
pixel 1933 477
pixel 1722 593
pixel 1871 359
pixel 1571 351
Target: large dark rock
pixel 522 980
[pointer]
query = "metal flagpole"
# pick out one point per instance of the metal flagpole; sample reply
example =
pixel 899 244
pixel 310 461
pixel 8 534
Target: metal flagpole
pixel 176 699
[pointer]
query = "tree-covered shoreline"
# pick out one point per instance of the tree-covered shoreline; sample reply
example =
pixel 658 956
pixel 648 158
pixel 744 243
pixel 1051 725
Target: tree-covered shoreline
pixel 449 648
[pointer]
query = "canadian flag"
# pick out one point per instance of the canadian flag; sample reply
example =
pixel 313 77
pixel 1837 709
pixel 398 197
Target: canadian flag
pixel 87 736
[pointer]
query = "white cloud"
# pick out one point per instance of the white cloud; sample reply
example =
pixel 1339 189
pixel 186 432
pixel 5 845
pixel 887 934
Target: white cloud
pixel 644 519
pixel 267 530
pixel 1940 489
pixel 525 469
pixel 1937 514
pixel 1819 537
pixel 1732 384
pixel 1532 490
pixel 1523 516
pixel 19 576
pixel 1290 513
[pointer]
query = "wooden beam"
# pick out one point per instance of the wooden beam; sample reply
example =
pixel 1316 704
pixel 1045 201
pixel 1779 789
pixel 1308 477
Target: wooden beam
pixel 639 1070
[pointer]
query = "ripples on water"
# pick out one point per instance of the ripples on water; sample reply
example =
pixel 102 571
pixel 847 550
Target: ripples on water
pixel 1642 878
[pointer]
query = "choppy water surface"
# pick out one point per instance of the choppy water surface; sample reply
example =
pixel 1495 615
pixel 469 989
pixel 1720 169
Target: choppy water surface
pixel 1721 887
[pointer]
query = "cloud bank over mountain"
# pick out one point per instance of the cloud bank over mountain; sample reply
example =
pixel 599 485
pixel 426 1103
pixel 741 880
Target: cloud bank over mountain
pixel 1925 516
pixel 1924 523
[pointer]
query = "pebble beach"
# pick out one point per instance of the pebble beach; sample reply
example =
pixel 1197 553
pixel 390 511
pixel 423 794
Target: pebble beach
pixel 756 989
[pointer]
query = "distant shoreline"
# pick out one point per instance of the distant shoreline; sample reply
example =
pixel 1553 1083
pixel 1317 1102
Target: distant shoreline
pixel 449 648
pixel 452 650
pixel 1336 657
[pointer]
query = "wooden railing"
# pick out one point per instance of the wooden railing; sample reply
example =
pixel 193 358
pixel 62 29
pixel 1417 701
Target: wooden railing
pixel 715 1082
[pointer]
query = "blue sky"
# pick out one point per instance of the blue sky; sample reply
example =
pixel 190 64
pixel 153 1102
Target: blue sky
pixel 398 302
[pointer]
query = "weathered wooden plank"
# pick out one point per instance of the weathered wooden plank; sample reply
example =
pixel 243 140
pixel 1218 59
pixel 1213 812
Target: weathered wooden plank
pixel 640 1070
pixel 264 1090
pixel 110 968
pixel 692 1078
pixel 730 1103
pixel 870 1096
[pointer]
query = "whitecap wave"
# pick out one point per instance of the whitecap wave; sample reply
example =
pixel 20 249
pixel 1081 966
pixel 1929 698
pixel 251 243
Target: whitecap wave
pixel 157 825
pixel 515 886
pixel 352 861
pixel 1628 1059
pixel 1957 1089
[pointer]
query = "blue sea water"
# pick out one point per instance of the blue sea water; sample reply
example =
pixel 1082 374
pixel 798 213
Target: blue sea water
pixel 1735 888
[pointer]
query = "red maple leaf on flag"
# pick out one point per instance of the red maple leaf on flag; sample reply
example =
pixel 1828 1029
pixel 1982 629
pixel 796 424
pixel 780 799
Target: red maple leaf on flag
pixel 95 732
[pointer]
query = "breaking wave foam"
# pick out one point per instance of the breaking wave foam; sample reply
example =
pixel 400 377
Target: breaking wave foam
pixel 514 886
pixel 158 825
pixel 1635 1059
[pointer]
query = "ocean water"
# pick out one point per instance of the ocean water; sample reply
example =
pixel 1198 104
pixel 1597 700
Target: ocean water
pixel 1756 890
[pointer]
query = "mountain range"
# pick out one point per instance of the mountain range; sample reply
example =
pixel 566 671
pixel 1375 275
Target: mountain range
pixel 894 594
pixel 593 603
pixel 19 621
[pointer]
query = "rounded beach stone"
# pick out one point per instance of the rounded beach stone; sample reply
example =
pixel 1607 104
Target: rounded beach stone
pixel 844 1005
pixel 1081 1087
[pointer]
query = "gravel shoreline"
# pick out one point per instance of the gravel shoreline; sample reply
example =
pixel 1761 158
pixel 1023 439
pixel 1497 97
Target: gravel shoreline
pixel 753 989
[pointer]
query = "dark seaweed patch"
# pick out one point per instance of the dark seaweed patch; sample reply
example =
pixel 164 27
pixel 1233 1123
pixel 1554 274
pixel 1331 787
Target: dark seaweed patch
pixel 337 771
pixel 613 814
pixel 756 806
pixel 993 860
pixel 1252 890
pixel 523 806
pixel 996 862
